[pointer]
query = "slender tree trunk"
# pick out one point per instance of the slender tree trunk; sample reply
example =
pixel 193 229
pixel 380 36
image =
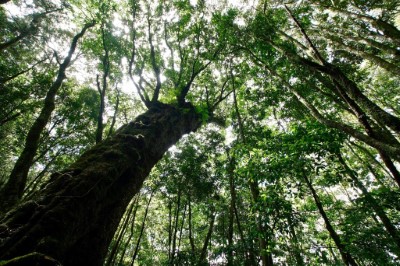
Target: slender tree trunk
pixel 369 56
pixel 203 253
pixel 31 30
pixel 296 251
pixel 249 250
pixel 116 246
pixel 392 168
pixel 13 189
pixel 373 171
pixel 231 218
pixel 102 86
pixel 74 217
pixel 181 229
pixel 3 80
pixel 364 121
pixel 114 119
pixel 372 159
pixel 390 228
pixel 372 109
pixel 392 150
pixel 9 118
pixel 234 215
pixel 100 125
pixel 337 262
pixel 132 231
pixel 33 184
pixel 347 258
pixel 191 240
pixel 389 30
pixel 169 229
pixel 175 229
pixel 379 145
pixel 142 229
pixel 380 115
pixel 265 258
pixel 384 48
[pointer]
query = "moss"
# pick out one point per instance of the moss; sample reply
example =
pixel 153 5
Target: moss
pixel 31 259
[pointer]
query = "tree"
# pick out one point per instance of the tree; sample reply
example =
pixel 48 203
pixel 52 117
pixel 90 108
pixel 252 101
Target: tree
pixel 104 170
pixel 143 140
pixel 295 162
pixel 15 186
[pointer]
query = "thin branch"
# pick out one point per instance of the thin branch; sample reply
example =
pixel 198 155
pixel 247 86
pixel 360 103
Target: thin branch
pixel 156 68
pixel 222 97
pixel 139 87
pixel 4 80
pixel 172 60
pixel 114 119
pixel 98 86
pixel 317 53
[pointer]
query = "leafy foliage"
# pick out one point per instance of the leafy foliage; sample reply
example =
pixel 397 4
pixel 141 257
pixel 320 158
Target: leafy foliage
pixel 297 162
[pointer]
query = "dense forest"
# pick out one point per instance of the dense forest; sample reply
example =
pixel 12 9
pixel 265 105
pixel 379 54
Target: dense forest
pixel 200 132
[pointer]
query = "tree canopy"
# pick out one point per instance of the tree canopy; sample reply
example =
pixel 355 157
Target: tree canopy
pixel 200 132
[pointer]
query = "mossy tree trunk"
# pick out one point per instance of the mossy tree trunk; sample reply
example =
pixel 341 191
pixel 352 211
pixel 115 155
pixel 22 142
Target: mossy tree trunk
pixel 73 218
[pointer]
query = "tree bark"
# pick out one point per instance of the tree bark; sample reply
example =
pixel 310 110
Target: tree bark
pixel 13 189
pixel 74 217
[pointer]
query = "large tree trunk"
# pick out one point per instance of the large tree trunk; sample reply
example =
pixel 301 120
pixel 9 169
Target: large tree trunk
pixel 74 217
